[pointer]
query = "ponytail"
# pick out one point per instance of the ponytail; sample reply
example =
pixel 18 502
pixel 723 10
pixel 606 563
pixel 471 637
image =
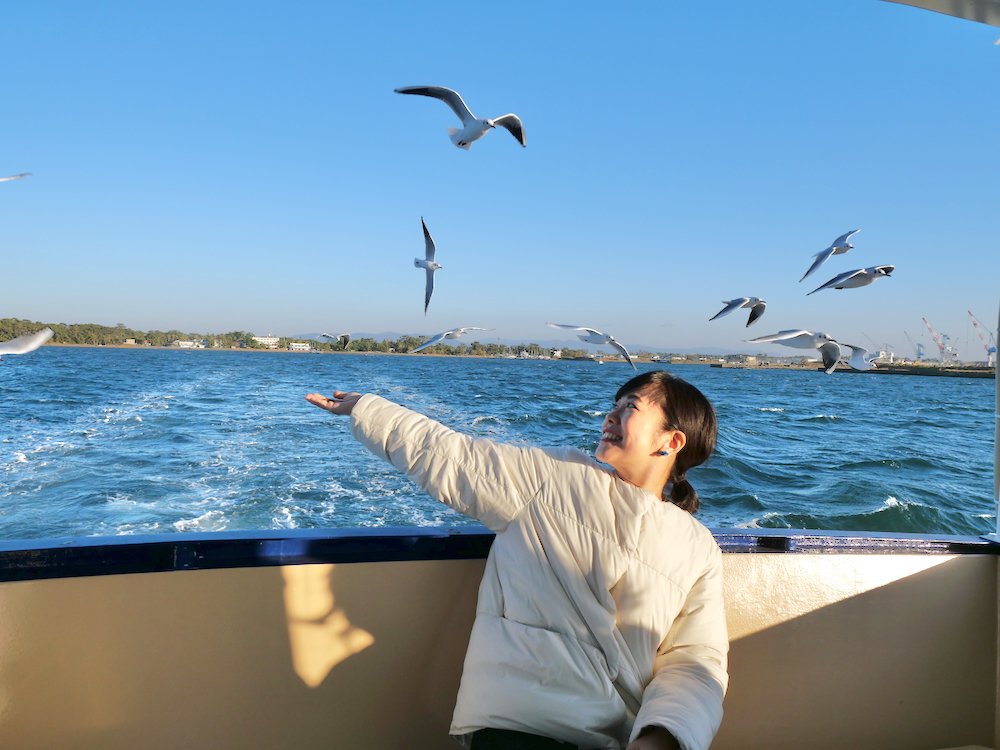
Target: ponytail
pixel 682 494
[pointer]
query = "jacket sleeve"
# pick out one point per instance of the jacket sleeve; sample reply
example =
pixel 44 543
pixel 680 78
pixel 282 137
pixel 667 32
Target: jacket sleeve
pixel 488 481
pixel 690 672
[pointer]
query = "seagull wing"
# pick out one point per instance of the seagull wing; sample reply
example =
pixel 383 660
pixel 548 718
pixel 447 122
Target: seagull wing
pixel 589 334
pixel 26 343
pixel 454 333
pixel 433 340
pixel 756 311
pixel 345 339
pixel 513 123
pixel 858 361
pixel 15 177
pixel 621 348
pixel 842 239
pixel 838 279
pixel 428 289
pixel 449 97
pixel 831 355
pixel 735 304
pixel 821 258
pixel 589 331
pixel 779 336
pixel 429 247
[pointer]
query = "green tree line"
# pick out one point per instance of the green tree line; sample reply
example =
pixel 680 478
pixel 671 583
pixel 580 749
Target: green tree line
pixel 100 335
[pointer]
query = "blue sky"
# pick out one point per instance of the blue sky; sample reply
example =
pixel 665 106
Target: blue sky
pixel 219 166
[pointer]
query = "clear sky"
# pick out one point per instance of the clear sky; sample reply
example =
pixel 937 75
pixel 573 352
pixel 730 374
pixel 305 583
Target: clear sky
pixel 215 166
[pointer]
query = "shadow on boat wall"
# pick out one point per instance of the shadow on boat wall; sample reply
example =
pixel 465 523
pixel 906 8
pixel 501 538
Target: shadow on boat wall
pixel 325 639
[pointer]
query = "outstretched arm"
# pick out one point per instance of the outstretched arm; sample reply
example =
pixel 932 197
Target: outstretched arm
pixel 488 481
pixel 342 403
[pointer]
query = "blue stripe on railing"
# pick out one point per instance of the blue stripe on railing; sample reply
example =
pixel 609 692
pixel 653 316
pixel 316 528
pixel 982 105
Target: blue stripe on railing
pixel 89 556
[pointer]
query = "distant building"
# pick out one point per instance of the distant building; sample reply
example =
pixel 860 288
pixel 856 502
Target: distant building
pixel 130 342
pixel 741 359
pixel 182 344
pixel 268 342
pixel 299 346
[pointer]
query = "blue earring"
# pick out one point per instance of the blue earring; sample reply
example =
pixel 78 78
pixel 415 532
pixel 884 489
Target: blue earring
pixel 662 453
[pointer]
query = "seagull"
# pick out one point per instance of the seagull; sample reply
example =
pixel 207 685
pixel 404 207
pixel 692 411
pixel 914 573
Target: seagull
pixel 343 339
pixel 856 278
pixel 799 339
pixel 756 305
pixel 27 343
pixel 839 247
pixel 857 360
pixel 473 128
pixel 428 264
pixel 15 177
pixel 596 337
pixel 454 333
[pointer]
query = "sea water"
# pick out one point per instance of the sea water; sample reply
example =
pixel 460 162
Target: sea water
pixel 102 441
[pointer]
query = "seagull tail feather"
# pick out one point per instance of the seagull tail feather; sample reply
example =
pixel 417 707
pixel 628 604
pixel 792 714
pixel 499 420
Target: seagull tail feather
pixel 453 134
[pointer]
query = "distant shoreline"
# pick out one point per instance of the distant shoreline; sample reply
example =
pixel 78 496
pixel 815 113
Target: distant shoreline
pixel 640 360
pixel 354 353
pixel 924 370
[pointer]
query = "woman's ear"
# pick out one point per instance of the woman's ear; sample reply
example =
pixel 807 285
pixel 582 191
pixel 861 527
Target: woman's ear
pixel 677 441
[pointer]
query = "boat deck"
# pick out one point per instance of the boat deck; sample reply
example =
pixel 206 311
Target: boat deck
pixel 355 638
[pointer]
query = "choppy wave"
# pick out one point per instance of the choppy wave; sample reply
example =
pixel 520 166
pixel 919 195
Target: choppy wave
pixel 113 441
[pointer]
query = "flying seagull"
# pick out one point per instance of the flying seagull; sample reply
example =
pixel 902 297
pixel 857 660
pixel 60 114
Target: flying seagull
pixel 596 337
pixel 799 339
pixel 15 177
pixel 839 247
pixel 24 344
pixel 857 360
pixel 454 333
pixel 343 339
pixel 428 264
pixel 756 305
pixel 473 128
pixel 856 278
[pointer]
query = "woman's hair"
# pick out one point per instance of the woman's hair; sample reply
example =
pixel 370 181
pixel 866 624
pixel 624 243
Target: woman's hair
pixel 688 411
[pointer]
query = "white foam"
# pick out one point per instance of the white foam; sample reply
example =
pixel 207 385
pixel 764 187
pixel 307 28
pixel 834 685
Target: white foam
pixel 214 520
pixel 284 519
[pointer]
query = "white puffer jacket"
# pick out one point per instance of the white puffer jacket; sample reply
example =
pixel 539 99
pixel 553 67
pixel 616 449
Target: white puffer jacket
pixel 600 611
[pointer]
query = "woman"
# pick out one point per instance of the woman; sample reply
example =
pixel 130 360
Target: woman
pixel 600 619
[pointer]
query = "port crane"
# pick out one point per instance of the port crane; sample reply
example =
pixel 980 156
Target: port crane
pixel 943 342
pixel 918 349
pixel 990 346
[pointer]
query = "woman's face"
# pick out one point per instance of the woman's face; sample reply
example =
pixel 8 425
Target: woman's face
pixel 632 432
